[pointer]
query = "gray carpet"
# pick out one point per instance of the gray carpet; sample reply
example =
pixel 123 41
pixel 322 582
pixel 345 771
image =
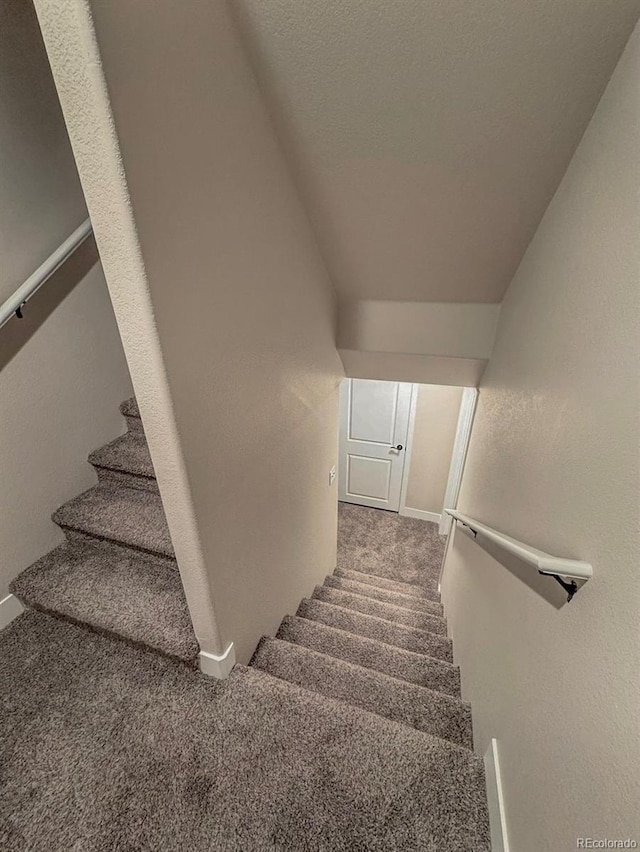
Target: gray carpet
pixel 381 609
pixel 126 516
pixel 126 461
pixel 117 573
pixel 388 659
pixel 106 747
pixel 347 731
pixel 384 595
pixel 388 545
pixel 137 599
pixel 424 709
pixel 419 641
pixel 426 590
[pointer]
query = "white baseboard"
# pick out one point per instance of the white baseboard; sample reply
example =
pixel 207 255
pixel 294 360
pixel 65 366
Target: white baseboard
pixel 495 800
pixel 10 608
pixel 434 517
pixel 218 666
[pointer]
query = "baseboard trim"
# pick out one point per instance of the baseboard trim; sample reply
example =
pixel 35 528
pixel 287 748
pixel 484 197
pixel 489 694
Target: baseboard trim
pixel 218 666
pixel 495 800
pixel 434 517
pixel 10 608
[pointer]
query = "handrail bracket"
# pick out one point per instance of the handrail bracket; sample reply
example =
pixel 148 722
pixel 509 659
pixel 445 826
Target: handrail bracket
pixel 570 587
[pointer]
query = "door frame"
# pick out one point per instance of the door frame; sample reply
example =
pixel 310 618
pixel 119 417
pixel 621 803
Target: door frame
pixel 405 510
pixel 459 456
pixel 468 406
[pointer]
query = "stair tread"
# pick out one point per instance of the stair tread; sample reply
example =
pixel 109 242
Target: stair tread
pixel 399 663
pixel 126 516
pixel 129 408
pixel 423 709
pixel 407 601
pixel 140 600
pixel 404 766
pixel 129 453
pixel 310 772
pixel 390 612
pixel 429 591
pixel 400 635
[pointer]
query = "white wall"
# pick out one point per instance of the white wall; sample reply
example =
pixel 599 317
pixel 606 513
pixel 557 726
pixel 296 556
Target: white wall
pixel 434 433
pixel 417 369
pixel 62 369
pixel 419 328
pixel 242 329
pixel 554 461
pixel 428 343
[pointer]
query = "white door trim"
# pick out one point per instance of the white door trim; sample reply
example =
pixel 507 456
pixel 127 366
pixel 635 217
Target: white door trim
pixel 458 458
pixel 413 404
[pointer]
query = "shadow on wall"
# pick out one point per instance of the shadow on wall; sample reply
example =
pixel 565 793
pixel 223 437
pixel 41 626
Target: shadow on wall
pixel 17 332
pixel 544 586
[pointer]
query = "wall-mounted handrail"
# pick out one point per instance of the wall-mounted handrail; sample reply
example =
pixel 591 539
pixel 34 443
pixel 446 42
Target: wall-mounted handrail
pixel 570 573
pixel 14 303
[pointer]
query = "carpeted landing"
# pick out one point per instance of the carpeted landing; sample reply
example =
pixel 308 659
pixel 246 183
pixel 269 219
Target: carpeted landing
pixel 346 732
pixel 108 747
pixel 389 545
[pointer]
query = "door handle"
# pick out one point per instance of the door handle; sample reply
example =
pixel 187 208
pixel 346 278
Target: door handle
pixel 397 447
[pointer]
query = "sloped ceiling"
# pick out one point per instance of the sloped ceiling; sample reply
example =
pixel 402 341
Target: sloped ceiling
pixel 428 136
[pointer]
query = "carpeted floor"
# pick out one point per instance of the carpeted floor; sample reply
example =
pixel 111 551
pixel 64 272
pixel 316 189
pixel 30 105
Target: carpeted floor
pixel 106 747
pixel 389 545
pixel 346 732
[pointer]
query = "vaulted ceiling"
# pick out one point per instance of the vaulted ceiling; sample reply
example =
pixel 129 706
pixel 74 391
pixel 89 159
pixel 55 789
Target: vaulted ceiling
pixel 428 136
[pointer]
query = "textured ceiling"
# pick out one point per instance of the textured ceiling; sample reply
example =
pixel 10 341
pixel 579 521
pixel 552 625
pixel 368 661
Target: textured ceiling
pixel 427 138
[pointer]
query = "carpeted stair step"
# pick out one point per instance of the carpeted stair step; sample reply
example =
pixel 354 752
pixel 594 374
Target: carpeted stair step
pixel 365 591
pixel 113 592
pixel 125 517
pixel 419 641
pixel 162 758
pixel 424 709
pixel 127 462
pixel 390 612
pixel 372 654
pixel 129 409
pixel 430 591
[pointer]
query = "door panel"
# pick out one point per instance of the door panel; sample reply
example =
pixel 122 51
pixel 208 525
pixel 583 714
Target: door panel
pixel 368 477
pixel 372 411
pixel 374 419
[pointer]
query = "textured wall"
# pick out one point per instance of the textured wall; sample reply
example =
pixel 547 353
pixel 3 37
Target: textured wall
pixel 434 434
pixel 554 461
pixel 41 200
pixel 242 304
pixel 62 369
pixel 427 343
pixel 415 328
pixel 428 138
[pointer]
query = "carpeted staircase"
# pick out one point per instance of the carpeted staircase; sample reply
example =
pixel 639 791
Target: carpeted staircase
pixel 116 572
pixel 364 668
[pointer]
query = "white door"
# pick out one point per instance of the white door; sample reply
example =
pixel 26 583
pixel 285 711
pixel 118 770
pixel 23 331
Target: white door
pixel 374 420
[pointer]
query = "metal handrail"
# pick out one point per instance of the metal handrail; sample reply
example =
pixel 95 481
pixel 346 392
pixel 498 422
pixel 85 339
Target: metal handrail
pixel 14 304
pixel 570 573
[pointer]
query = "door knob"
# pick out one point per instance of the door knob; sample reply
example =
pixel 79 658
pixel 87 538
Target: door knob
pixel 398 447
